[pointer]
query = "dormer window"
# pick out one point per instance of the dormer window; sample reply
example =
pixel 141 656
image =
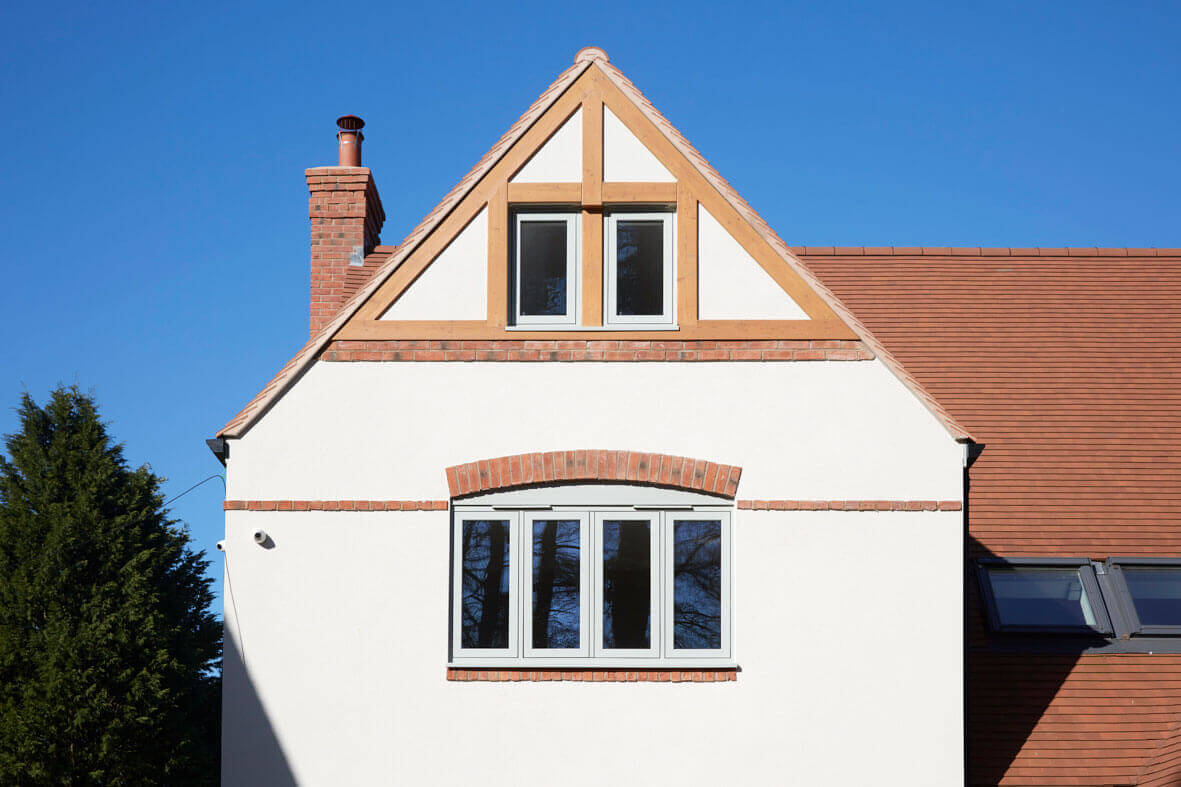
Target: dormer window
pixel 639 269
pixel 545 253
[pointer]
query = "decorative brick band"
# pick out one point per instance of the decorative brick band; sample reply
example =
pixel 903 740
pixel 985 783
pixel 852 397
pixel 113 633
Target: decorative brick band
pixel 850 505
pixel 597 350
pixel 677 472
pixel 595 676
pixel 334 505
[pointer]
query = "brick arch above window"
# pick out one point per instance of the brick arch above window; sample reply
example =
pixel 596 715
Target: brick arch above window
pixel 634 467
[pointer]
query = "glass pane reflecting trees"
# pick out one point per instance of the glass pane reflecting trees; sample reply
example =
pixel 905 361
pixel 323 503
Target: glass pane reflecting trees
pixel 486 579
pixel 697 584
pixel 627 584
pixel 557 577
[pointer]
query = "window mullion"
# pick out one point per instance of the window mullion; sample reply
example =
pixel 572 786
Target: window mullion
pixel 523 583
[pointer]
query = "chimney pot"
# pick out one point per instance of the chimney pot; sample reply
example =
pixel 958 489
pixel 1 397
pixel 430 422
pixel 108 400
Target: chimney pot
pixel 350 137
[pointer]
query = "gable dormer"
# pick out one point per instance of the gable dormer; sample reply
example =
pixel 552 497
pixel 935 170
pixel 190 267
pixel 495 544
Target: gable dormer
pixel 595 221
pixel 591 231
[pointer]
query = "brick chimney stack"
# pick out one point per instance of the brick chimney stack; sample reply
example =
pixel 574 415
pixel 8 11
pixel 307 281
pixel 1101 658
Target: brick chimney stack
pixel 346 216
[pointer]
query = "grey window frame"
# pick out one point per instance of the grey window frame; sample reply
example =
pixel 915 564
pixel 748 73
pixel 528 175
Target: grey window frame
pixel 668 218
pixel 573 220
pixel 514 524
pixel 669 613
pixel 1127 602
pixel 521 507
pixel 585 584
pixel 1087 574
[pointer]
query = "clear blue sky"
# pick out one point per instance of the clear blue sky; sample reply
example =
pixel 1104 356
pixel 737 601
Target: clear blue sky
pixel 154 224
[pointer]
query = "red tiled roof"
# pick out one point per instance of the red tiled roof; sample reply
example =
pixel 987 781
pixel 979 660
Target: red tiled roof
pixel 1057 719
pixel 1066 365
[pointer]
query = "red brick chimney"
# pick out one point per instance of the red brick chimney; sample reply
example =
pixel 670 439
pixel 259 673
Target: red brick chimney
pixel 346 217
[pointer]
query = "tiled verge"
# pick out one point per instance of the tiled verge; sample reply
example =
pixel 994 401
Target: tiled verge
pixel 850 505
pixel 334 505
pixel 596 350
pixel 594 676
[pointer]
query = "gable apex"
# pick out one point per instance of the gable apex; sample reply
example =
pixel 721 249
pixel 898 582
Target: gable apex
pixel 672 151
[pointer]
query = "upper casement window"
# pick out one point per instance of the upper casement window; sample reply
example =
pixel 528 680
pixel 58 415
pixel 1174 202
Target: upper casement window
pixel 545 268
pixel 597 585
pixel 638 265
pixel 638 261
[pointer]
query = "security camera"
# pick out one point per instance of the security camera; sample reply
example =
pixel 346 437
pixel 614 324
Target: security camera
pixel 221 545
pixel 260 536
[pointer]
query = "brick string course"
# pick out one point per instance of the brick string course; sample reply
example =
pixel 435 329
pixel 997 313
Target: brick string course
pixel 850 505
pixel 334 505
pixel 596 350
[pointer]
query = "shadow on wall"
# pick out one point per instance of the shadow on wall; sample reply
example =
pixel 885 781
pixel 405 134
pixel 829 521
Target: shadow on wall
pixel 1011 682
pixel 250 750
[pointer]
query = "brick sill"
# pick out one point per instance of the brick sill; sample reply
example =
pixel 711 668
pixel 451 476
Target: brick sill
pixel 622 675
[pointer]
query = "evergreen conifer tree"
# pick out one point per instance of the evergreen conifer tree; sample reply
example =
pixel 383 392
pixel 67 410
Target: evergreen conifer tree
pixel 108 650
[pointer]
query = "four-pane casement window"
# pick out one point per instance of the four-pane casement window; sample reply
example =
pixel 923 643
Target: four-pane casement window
pixel 609 586
pixel 638 269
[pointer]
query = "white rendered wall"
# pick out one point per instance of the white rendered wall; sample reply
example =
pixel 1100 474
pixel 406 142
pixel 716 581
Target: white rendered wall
pixel 847 630
pixel 454 285
pixel 624 156
pixel 800 430
pixel 731 285
pixel 559 160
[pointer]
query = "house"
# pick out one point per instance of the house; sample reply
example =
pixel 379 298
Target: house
pixel 816 516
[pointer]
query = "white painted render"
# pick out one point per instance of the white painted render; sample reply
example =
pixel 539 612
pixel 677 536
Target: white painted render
pixel 455 285
pixel 559 160
pixel 625 158
pixel 845 430
pixel 847 631
pixel 731 285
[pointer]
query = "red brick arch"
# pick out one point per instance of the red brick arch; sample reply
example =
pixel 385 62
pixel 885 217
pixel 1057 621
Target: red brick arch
pixel 636 467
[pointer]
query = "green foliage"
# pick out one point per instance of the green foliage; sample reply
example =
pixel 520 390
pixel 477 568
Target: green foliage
pixel 108 650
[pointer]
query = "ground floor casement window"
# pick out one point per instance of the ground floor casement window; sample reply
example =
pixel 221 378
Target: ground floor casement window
pixel 593 585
